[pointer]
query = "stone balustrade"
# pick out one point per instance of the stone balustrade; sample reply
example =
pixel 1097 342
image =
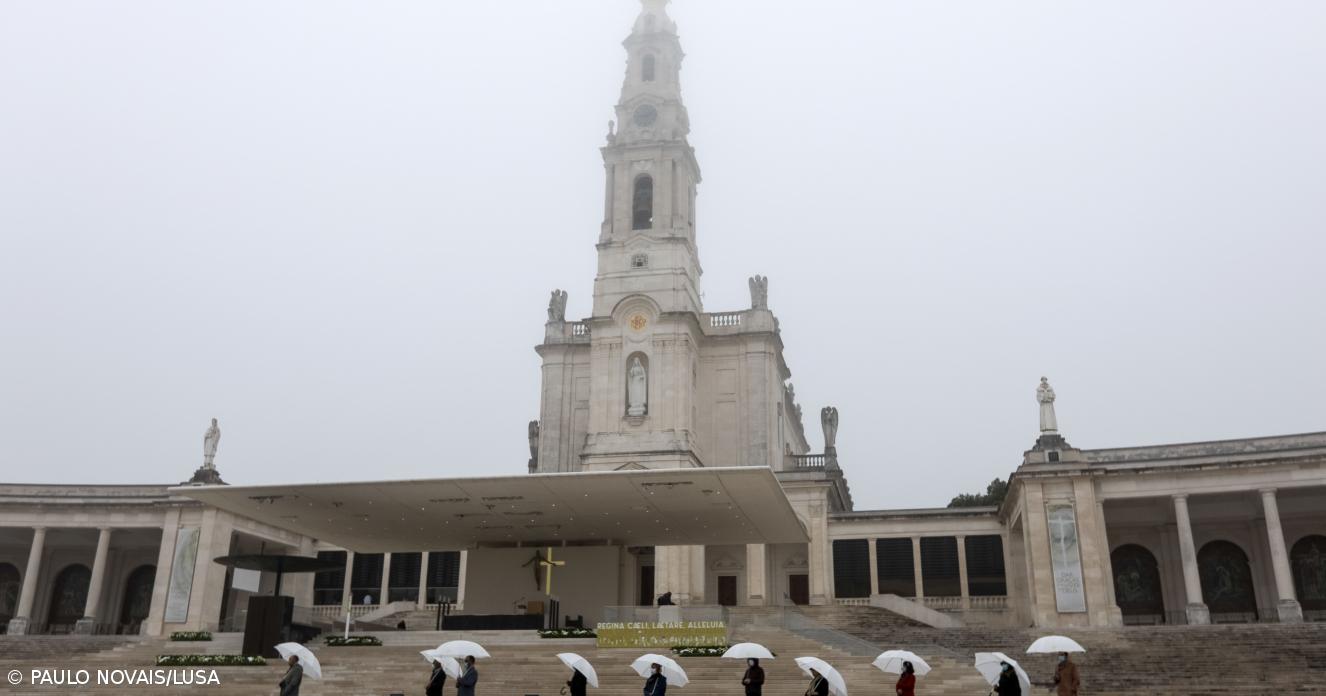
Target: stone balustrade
pixel 807 462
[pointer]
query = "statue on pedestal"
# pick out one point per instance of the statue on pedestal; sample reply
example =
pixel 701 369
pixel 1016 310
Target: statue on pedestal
pixel 557 306
pixel 637 388
pixel 829 420
pixel 533 446
pixel 1045 396
pixel 211 439
pixel 759 292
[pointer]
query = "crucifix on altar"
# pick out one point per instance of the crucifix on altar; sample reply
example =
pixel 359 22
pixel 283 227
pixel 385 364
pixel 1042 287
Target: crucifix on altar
pixel 554 609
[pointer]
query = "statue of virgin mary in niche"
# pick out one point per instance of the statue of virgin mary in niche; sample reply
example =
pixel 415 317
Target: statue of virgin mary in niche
pixel 637 388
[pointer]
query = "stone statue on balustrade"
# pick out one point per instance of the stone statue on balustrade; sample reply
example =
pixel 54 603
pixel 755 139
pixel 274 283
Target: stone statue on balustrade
pixel 1045 396
pixel 637 388
pixel 533 446
pixel 759 292
pixel 557 306
pixel 829 420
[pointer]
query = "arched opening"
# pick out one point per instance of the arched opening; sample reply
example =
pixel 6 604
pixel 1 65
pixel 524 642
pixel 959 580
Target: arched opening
pixel 1227 582
pixel 68 598
pixel 1137 588
pixel 137 598
pixel 642 203
pixel 10 584
pixel 1308 560
pixel 647 69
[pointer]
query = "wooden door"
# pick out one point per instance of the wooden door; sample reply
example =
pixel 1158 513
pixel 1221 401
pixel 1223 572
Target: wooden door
pixel 798 588
pixel 727 590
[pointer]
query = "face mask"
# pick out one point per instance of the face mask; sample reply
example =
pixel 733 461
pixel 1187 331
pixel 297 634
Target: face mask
pixel 750 662
pixel 1063 658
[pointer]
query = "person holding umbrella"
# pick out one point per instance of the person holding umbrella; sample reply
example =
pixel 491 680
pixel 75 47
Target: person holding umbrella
pixel 819 686
pixel 906 685
pixel 1008 681
pixel 656 684
pixel 1066 679
pixel 293 677
pixel 465 684
pixel 578 683
pixel 437 680
pixel 753 679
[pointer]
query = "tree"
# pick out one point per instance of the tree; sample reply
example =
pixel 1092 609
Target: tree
pixel 993 496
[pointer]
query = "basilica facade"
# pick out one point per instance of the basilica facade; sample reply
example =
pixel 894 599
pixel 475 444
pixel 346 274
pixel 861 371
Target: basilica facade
pixel 654 397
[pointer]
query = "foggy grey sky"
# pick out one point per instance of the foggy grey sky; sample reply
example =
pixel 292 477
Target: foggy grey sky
pixel 334 225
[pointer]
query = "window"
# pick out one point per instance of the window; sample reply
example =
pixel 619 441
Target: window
pixel 894 564
pixel 647 69
pixel 939 567
pixel 851 568
pixel 985 566
pixel 640 261
pixel 642 217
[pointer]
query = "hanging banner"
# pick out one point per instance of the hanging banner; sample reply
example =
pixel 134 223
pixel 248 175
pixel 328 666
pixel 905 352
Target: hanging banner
pixel 661 635
pixel 1065 560
pixel 181 575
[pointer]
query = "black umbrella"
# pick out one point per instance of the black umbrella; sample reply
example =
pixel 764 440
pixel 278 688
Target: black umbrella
pixel 279 564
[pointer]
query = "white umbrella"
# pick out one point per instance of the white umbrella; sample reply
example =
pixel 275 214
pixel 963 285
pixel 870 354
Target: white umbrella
pixel 836 684
pixel 673 671
pixel 310 663
pixel 1055 644
pixel 988 665
pixel 461 648
pixel 742 651
pixel 449 664
pixel 582 665
pixel 891 661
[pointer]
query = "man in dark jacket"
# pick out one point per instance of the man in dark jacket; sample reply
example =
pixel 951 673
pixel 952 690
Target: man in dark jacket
pixel 753 680
pixel 578 683
pixel 656 684
pixel 293 676
pixel 1008 681
pixel 465 685
pixel 436 680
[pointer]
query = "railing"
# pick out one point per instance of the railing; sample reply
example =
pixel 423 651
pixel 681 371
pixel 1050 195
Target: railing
pixel 991 603
pixel 725 319
pixel 579 331
pixel 853 601
pixel 808 462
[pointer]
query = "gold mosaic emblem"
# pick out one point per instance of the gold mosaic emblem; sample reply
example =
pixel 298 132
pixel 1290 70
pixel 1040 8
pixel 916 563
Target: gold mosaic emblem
pixel 638 322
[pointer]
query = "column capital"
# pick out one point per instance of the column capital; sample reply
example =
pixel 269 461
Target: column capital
pixel 38 528
pixel 1180 497
pixel 1267 492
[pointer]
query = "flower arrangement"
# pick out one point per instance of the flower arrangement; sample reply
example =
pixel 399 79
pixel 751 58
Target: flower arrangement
pixel 699 650
pixel 352 641
pixel 210 660
pixel 567 633
pixel 191 635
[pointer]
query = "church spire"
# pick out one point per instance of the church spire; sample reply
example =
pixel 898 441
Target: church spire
pixel 647 244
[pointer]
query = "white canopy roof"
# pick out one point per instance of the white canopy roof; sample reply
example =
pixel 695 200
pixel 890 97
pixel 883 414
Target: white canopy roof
pixel 653 507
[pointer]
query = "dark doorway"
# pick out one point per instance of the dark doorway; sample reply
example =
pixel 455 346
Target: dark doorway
pixel 1227 582
pixel 646 585
pixel 727 590
pixel 10 584
pixel 68 598
pixel 137 598
pixel 1137 584
pixel 1308 560
pixel 798 589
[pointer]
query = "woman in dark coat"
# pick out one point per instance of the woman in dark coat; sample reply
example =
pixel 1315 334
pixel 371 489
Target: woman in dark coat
pixel 906 685
pixel 819 686
pixel 753 680
pixel 656 684
pixel 436 680
pixel 1008 681
pixel 578 683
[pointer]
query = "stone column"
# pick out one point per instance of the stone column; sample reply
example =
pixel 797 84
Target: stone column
pixel 156 615
pixel 873 556
pixel 422 600
pixel 386 580
pixel 462 581
pixel 1197 612
pixel 23 616
pixel 756 592
pixel 88 624
pixel 1288 608
pixel 917 577
pixel 1107 565
pixel 347 599
pixel 820 567
pixel 962 572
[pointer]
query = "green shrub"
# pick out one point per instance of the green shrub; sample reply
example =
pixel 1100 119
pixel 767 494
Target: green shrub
pixel 210 661
pixel 699 650
pixel 191 635
pixel 352 641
